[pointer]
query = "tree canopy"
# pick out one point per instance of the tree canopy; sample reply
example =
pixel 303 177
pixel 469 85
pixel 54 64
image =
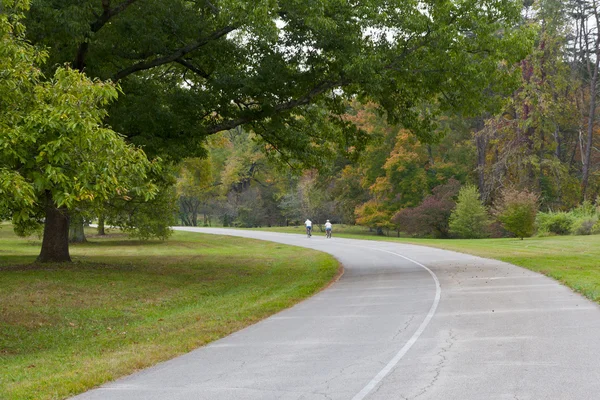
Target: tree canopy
pixel 283 69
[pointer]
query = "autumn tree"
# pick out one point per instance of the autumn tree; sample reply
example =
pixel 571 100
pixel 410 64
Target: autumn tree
pixel 195 186
pixel 431 217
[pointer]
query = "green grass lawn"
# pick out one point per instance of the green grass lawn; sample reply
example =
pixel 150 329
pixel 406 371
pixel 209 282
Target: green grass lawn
pixel 572 260
pixel 124 305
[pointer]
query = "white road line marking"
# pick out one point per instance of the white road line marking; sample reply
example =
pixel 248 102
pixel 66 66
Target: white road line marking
pixel 390 365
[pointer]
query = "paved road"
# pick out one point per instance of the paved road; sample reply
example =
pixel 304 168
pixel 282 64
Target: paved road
pixel 404 322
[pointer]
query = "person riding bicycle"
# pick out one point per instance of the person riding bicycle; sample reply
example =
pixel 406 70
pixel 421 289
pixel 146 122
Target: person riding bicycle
pixel 328 229
pixel 308 225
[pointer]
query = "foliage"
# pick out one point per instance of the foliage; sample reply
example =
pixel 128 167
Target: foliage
pixel 348 193
pixel 145 218
pixel 516 210
pixel 558 223
pixel 192 69
pixel 584 226
pixel 374 215
pixel 431 217
pixel 53 142
pixel 196 188
pixel 470 219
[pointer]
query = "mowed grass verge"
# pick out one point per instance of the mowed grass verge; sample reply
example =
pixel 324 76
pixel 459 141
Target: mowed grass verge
pixel 124 305
pixel 572 260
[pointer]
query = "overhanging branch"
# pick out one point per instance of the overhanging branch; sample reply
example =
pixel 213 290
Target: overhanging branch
pixel 95 26
pixel 260 114
pixel 175 56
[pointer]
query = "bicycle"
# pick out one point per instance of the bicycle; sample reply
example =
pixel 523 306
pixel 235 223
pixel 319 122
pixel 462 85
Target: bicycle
pixel 328 233
pixel 308 231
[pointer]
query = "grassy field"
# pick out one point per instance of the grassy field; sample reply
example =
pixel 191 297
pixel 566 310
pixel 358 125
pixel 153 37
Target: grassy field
pixel 123 305
pixel 572 260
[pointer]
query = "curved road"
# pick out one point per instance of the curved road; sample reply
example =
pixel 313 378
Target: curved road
pixel 404 322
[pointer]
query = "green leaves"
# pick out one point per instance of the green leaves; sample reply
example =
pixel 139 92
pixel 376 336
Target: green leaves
pixel 470 219
pixel 53 139
pixel 284 68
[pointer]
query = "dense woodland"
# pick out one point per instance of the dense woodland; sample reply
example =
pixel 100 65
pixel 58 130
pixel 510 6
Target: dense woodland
pixel 413 117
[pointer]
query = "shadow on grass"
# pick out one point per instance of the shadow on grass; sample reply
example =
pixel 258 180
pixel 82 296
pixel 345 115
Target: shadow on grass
pixel 154 265
pixel 122 242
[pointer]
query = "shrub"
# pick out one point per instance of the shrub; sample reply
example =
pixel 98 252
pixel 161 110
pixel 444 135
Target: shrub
pixel 596 228
pixel 559 223
pixel 431 217
pixel 470 218
pixel 584 210
pixel 516 210
pixel 584 226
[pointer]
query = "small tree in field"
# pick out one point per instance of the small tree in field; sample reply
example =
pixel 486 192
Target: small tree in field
pixel 516 210
pixel 470 219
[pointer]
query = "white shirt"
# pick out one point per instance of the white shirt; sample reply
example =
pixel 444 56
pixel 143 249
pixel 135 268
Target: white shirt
pixel 308 223
pixel 327 225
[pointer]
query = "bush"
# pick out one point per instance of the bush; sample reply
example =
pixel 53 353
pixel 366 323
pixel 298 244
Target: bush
pixel 559 223
pixel 584 210
pixel 584 226
pixel 431 217
pixel 516 210
pixel 596 228
pixel 470 218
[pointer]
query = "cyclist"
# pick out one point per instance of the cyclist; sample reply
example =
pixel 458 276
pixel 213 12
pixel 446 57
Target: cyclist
pixel 328 229
pixel 308 225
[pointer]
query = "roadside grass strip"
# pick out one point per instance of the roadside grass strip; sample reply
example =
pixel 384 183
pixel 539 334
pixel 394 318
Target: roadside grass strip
pixel 124 305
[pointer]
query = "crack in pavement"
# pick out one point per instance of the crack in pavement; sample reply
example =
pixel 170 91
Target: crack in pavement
pixel 404 328
pixel 440 365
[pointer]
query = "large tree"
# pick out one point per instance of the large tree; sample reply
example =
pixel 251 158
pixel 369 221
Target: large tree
pixel 283 69
pixel 55 153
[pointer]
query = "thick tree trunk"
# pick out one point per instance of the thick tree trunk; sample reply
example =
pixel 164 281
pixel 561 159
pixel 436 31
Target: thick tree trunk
pixel 101 230
pixel 76 233
pixel 55 244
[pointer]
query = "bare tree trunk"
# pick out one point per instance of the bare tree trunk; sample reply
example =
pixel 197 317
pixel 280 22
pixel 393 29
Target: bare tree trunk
pixel 55 244
pixel 593 73
pixel 76 233
pixel 101 231
pixel 481 142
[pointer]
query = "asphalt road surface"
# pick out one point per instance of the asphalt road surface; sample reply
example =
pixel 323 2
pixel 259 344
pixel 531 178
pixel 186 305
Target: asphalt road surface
pixel 403 322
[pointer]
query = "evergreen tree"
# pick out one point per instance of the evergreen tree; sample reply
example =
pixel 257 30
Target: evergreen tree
pixel 470 219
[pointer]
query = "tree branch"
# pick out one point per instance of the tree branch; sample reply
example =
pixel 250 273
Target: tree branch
pixel 304 100
pixel 193 68
pixel 175 56
pixel 102 19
